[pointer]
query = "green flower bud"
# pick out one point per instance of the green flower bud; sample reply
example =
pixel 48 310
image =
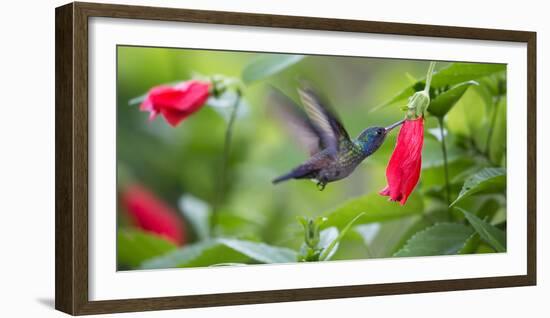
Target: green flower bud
pixel 312 230
pixel 417 105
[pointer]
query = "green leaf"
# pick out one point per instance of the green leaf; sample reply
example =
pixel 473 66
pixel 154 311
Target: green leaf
pixel 134 247
pixel 471 245
pixel 376 208
pixel 440 239
pixel 327 237
pixel 442 103
pixel 260 252
pixel 199 254
pixel 137 100
pixel 490 234
pixel 333 246
pixel 220 251
pixel 463 72
pixel 451 75
pixel 487 180
pixel 197 213
pixel 266 65
pixel 393 235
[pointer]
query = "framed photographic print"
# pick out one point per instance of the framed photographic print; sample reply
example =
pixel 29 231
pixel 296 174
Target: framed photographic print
pixel 219 158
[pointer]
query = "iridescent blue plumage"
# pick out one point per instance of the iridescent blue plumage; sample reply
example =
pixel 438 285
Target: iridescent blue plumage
pixel 334 155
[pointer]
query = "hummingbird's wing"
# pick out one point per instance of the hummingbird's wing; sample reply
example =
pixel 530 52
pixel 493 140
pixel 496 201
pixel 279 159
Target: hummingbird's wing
pixel 296 121
pixel 330 129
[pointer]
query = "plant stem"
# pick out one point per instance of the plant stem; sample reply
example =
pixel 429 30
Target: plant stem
pixel 429 77
pixel 442 131
pixel 420 101
pixel 445 161
pixel 225 158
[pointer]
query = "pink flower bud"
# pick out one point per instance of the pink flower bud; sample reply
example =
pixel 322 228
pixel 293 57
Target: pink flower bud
pixel 175 103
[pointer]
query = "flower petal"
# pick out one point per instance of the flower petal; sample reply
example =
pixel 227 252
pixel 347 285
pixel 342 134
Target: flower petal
pixel 176 103
pixel 195 96
pixel 403 170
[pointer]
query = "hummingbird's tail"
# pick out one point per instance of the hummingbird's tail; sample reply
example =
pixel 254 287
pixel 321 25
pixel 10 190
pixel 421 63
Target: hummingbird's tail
pixel 299 172
pixel 284 177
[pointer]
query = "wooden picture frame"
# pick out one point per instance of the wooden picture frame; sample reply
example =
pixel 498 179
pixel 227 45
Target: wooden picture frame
pixel 71 90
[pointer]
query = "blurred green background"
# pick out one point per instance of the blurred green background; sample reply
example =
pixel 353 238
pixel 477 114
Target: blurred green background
pixel 187 160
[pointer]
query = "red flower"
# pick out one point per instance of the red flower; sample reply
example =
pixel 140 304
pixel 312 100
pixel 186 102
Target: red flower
pixel 153 215
pixel 403 170
pixel 175 103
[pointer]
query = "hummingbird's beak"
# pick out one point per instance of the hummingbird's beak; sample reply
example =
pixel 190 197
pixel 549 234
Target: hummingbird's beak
pixel 390 127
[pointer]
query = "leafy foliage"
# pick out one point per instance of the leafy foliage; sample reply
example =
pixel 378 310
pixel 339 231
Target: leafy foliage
pixel 490 234
pixel 488 180
pixel 471 245
pixel 452 75
pixel 312 253
pixel 220 251
pixel 442 103
pixel 440 239
pixel 135 247
pixel 321 245
pixel 266 65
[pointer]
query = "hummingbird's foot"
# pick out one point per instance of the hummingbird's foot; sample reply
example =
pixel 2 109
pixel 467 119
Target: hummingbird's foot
pixel 321 185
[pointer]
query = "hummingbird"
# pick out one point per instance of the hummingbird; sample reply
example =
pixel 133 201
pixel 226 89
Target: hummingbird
pixel 334 155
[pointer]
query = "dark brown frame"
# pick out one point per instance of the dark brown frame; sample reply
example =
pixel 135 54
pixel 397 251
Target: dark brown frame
pixel 71 164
